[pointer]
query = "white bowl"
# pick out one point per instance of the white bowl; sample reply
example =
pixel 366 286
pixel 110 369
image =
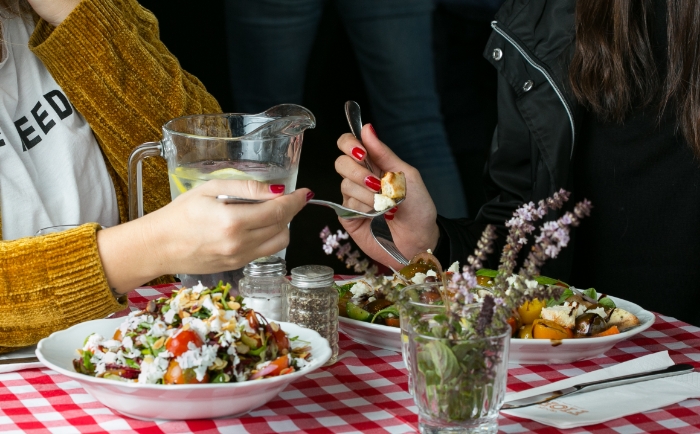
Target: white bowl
pixel 187 401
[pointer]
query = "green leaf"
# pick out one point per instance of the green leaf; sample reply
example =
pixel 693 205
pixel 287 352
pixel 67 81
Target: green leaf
pixel 487 272
pixel 87 355
pixel 132 364
pixel 257 351
pixel 566 294
pixel 544 280
pixel 591 292
pixel 607 303
pixel 444 360
pixel 385 312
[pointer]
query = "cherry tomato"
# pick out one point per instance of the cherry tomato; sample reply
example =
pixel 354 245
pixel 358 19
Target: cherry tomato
pixel 392 322
pixel 178 343
pixel 430 297
pixel 530 310
pixel 252 319
pixel 281 362
pixel 545 329
pixel 175 375
pixel 513 323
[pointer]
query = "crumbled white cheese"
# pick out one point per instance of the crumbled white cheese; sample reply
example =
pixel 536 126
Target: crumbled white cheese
pixel 198 288
pixel 199 326
pixel 152 369
pixel 419 278
pixel 382 202
pixel 198 358
pixel 431 273
pixel 371 299
pixel 158 329
pixel 454 268
pixel 361 288
pixel 598 310
pixel 430 251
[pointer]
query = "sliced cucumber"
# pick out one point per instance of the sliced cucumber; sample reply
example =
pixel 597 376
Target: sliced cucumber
pixel 356 312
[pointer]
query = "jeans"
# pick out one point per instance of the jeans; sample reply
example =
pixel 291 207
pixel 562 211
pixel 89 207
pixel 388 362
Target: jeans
pixel 270 43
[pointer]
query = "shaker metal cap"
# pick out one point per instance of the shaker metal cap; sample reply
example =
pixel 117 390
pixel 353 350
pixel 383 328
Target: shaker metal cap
pixel 266 266
pixel 312 276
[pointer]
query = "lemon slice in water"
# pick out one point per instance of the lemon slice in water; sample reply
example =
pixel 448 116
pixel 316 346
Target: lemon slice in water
pixel 229 173
pixel 178 183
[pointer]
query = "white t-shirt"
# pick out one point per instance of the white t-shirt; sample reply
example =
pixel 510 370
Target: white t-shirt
pixel 51 168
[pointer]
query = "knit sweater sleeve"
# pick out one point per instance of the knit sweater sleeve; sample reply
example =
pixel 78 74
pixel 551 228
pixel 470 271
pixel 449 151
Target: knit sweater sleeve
pixel 108 59
pixel 49 283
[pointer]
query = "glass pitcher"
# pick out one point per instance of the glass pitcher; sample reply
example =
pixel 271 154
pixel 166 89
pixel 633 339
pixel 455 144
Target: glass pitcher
pixel 264 147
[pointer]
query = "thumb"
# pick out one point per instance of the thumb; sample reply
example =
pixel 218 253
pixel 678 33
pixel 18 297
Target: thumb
pixel 379 153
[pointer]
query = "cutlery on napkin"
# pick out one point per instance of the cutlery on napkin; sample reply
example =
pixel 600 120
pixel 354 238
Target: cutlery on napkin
pixel 24 358
pixel 590 386
pixel 598 406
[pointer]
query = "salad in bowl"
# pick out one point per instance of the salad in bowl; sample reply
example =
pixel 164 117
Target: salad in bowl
pixel 198 335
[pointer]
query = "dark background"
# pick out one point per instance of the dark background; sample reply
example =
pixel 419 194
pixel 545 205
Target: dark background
pixel 196 35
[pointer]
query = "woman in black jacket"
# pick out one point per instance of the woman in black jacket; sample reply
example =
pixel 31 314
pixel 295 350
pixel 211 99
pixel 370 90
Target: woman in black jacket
pixel 601 98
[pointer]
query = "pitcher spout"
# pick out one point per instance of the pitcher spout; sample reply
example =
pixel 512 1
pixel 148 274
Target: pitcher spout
pixel 282 120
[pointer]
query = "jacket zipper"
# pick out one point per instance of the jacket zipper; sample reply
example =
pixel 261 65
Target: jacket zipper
pixel 494 25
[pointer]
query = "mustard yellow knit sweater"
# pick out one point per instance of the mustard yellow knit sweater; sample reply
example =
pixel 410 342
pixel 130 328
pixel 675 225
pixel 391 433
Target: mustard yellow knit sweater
pixel 108 59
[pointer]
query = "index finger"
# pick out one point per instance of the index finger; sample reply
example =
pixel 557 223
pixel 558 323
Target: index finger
pixel 279 211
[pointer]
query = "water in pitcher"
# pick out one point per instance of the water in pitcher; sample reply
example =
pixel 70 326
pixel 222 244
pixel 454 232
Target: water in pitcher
pixel 188 176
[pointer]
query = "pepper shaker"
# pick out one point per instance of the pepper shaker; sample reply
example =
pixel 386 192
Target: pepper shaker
pixel 312 302
pixel 263 286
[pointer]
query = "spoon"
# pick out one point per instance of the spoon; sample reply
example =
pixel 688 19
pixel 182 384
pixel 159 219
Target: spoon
pixel 341 211
pixel 353 114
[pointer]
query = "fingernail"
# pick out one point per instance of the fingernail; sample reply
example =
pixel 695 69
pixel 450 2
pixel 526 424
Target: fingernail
pixel 388 216
pixel 393 210
pixel 373 183
pixel 372 129
pixel 358 153
pixel 277 188
pixel 310 195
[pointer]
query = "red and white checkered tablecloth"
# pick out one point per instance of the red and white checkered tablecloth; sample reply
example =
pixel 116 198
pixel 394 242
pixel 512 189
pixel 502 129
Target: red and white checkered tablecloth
pixel 365 391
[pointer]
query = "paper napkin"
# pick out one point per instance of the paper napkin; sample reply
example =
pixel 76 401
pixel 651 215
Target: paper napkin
pixel 24 352
pixel 598 406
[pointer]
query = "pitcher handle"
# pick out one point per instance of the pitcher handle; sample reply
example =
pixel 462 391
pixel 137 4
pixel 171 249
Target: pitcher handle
pixel 149 149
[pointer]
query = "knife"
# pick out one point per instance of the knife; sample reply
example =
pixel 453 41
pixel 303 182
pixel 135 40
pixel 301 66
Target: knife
pixel 18 360
pixel 600 384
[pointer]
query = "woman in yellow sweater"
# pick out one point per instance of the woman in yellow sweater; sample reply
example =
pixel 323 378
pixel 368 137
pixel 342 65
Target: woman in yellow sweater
pixel 81 84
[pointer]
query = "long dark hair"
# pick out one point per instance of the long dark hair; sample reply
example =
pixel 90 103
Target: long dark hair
pixel 11 8
pixel 613 67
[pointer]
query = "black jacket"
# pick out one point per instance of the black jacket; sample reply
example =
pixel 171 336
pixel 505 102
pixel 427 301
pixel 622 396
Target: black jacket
pixel 530 156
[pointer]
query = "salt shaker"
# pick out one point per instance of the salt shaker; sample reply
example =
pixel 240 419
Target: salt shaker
pixel 312 302
pixel 263 286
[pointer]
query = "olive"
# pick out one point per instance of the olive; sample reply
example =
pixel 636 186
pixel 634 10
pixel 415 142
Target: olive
pixel 589 324
pixel 375 306
pixel 410 270
pixel 430 279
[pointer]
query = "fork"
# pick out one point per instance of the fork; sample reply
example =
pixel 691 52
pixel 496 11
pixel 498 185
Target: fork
pixel 340 210
pixel 379 229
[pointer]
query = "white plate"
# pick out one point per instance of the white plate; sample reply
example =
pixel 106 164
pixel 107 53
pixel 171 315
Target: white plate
pixel 377 335
pixel 157 401
pixel 522 351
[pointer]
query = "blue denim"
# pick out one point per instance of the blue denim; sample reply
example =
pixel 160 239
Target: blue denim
pixel 270 43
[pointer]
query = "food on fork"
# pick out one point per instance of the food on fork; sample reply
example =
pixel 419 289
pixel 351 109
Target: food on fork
pixel 393 188
pixel 198 335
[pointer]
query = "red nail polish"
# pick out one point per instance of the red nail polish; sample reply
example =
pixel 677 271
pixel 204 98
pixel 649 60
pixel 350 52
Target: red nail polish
pixel 373 183
pixel 388 216
pixel 372 129
pixel 358 153
pixel 393 210
pixel 310 195
pixel 277 188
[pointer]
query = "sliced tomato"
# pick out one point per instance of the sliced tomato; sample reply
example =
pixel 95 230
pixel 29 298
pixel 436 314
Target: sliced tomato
pixel 609 332
pixel 392 322
pixel 178 343
pixel 175 375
